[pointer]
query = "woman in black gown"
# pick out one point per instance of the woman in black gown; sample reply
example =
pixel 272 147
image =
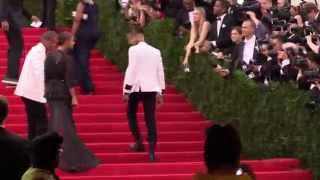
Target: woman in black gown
pixel 61 97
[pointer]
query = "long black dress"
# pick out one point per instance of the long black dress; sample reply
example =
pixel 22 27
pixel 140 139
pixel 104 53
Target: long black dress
pixel 58 79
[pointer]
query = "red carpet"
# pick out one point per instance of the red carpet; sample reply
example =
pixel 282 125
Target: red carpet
pixel 102 125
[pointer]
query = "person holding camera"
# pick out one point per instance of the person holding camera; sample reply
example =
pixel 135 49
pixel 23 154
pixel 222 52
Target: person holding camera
pixel 312 12
pixel 313 45
pixel 237 42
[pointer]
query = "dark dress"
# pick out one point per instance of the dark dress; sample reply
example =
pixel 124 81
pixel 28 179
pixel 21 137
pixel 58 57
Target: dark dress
pixel 58 79
pixel 86 38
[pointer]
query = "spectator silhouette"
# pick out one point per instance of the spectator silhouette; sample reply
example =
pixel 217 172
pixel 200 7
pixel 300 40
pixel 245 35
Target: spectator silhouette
pixel 222 155
pixel 14 151
pixel 44 157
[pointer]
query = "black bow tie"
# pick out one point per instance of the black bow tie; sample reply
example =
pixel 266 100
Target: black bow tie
pixel 218 18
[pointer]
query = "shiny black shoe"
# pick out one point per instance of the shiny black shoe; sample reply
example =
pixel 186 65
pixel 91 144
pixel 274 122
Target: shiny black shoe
pixel 137 147
pixel 152 156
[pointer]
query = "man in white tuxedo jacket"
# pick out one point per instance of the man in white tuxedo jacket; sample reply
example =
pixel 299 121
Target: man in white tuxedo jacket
pixel 31 84
pixel 144 82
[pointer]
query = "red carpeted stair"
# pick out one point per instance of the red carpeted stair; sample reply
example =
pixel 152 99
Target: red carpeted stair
pixel 102 125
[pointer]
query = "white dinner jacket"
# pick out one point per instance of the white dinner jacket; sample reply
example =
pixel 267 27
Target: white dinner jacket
pixel 145 70
pixel 31 81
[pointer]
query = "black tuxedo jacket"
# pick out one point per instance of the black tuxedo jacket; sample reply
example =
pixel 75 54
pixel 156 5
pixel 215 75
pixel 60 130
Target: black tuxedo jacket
pixel 223 40
pixel 14 155
pixel 13 12
pixel 237 55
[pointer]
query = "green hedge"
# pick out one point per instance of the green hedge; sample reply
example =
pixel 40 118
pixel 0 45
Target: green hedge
pixel 272 121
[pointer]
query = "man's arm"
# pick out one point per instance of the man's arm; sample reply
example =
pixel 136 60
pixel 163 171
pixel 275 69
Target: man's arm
pixel 161 75
pixel 37 62
pixel 131 72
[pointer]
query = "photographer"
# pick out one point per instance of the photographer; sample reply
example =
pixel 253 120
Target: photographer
pixel 308 71
pixel 313 43
pixel 237 43
pixel 312 12
pixel 296 14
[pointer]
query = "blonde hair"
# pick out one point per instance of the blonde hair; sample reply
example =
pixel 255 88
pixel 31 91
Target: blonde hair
pixel 202 13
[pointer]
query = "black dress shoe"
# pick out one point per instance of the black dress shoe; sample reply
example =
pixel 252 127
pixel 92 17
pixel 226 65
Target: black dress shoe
pixel 152 156
pixel 137 147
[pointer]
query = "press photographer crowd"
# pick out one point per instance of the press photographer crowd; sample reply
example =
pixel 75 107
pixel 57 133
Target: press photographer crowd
pixel 270 41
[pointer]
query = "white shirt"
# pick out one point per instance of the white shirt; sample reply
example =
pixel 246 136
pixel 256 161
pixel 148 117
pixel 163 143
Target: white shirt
pixel 219 24
pixel 248 49
pixel 145 70
pixel 31 81
pixel 190 14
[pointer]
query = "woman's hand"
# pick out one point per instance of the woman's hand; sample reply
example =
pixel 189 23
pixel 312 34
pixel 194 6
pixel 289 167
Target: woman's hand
pixel 189 46
pixel 197 46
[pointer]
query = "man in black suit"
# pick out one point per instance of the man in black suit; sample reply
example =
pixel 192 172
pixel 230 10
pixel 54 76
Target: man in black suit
pixel 219 34
pixel 14 151
pixel 48 14
pixel 248 56
pixel 11 18
pixel 183 18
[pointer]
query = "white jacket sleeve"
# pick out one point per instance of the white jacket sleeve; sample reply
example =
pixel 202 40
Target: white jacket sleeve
pixel 161 75
pixel 37 65
pixel 131 72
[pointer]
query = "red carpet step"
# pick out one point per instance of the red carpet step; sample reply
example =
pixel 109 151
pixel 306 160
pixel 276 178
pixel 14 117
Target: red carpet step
pixel 102 124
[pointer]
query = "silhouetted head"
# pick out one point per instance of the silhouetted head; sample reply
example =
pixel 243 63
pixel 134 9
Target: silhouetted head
pixel 222 148
pixel 46 150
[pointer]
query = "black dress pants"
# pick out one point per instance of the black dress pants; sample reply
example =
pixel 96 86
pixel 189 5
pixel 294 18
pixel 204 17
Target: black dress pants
pixel 149 104
pixel 15 41
pixel 48 14
pixel 37 118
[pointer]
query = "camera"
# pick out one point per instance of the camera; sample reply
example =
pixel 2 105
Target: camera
pixel 279 25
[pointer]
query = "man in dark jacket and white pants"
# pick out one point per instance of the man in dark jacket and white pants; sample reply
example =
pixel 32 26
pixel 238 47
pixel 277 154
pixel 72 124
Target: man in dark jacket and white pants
pixel 144 82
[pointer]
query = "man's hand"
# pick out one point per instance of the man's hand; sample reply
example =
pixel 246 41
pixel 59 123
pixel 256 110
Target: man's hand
pixel 125 98
pixel 309 38
pixel 75 101
pixel 159 99
pixel 35 18
pixel 5 26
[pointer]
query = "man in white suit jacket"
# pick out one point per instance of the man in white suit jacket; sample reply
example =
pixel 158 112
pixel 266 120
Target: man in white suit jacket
pixel 31 85
pixel 144 82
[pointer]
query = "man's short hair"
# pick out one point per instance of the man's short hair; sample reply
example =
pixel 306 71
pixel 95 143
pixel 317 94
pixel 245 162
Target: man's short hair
pixel 225 4
pixel 3 109
pixel 309 6
pixel 135 30
pixel 253 24
pixel 48 36
pixel 278 37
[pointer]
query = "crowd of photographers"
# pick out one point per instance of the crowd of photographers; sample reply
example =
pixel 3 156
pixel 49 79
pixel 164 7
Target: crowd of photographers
pixel 269 41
